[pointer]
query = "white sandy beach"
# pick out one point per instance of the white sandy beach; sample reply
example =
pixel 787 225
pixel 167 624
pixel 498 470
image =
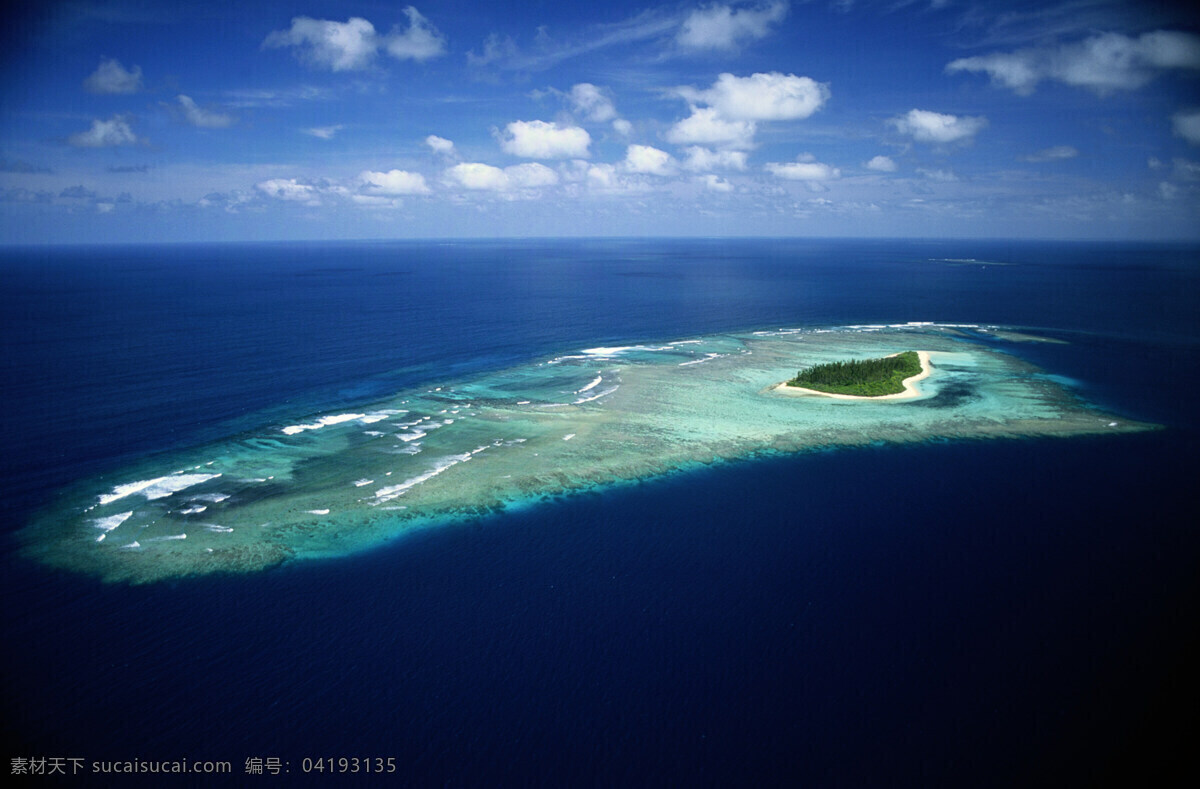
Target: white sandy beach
pixel 910 386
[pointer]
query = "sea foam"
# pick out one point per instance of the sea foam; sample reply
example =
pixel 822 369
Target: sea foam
pixel 157 488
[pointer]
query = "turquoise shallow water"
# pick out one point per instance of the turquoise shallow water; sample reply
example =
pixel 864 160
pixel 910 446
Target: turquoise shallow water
pixel 329 484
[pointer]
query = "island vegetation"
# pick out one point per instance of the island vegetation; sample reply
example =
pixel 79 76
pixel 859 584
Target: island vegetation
pixel 862 378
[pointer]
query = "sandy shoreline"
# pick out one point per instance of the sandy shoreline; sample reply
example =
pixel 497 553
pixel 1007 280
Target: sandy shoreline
pixel 910 388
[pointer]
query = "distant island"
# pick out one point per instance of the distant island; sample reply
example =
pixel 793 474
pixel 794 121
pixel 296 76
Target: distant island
pixel 872 378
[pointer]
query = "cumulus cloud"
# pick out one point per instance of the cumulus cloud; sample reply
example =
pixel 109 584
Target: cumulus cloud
pixel 392 183
pixel 726 114
pixel 476 175
pixel 420 41
pixel 724 27
pixel 648 160
pixel 761 97
pixel 705 126
pixel 1187 125
pixel 805 169
pixel 622 127
pixel 936 127
pixel 105 134
pixel 339 46
pixel 1102 63
pixel 289 189
pixel 592 103
pixel 324 132
pixel 1052 154
pixel 440 145
pixel 205 119
pixel 485 177
pixel 715 183
pixel 111 77
pixel 530 175
pixel 352 45
pixel 882 164
pixel 700 159
pixel 545 140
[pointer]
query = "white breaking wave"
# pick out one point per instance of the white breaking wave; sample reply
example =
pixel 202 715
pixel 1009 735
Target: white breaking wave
pixel 568 436
pixel 337 419
pixel 193 510
pixel 111 522
pixel 324 421
pixel 215 498
pixel 317 512
pixel 158 488
pixel 592 385
pixel 708 357
pixel 171 537
pixel 218 529
pixel 620 349
pixel 597 396
pixel 358 483
pixel 395 491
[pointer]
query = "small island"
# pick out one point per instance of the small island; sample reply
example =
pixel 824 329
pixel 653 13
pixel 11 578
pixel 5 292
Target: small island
pixel 889 377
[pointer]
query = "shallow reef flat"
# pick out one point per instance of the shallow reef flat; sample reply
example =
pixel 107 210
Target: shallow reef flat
pixel 330 484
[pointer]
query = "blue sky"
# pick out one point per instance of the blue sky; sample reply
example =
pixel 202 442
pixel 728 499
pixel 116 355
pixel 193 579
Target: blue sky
pixel 185 121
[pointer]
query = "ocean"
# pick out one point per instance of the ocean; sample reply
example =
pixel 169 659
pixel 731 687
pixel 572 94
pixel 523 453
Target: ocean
pixel 975 612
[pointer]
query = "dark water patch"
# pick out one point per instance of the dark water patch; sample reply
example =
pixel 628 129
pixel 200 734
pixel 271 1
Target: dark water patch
pixel 949 396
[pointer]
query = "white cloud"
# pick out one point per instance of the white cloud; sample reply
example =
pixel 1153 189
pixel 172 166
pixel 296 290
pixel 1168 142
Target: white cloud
pixel 289 189
pixel 605 178
pixel 205 119
pixel 1167 191
pixel 1102 63
pixel 591 102
pixel 421 41
pixel 339 46
pixel 393 182
pixel 701 159
pixel 1186 169
pixel 376 201
pixel 496 49
pixel 724 27
pixel 807 169
pixel 542 140
pixel 705 126
pixel 1052 154
pixel 530 175
pixel 926 126
pixel 761 97
pixel 485 177
pixel 1187 125
pixel 324 132
pixel 476 175
pixel 111 77
pixel 715 183
pixel 104 134
pixel 622 127
pixel 883 164
pixel 943 176
pixel 440 145
pixel 648 160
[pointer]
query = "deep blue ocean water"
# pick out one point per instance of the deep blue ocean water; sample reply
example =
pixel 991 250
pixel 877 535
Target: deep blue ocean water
pixel 951 613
